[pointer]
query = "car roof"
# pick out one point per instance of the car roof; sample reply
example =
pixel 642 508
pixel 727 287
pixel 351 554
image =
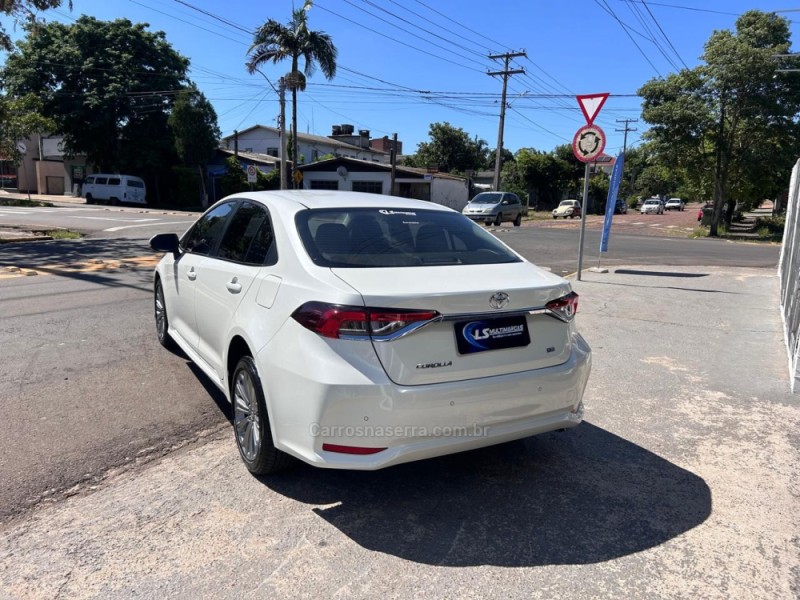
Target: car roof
pixel 299 199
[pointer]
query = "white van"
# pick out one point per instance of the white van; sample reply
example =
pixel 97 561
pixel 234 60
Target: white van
pixel 114 189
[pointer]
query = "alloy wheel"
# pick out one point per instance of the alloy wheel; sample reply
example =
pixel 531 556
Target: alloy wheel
pixel 246 419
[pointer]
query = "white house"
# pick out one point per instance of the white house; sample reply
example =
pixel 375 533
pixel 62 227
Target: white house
pixel 261 139
pixel 351 174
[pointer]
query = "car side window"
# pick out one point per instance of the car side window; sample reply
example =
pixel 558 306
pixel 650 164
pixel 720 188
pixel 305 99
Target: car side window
pixel 89 180
pixel 513 199
pixel 113 181
pixel 249 238
pixel 101 180
pixel 203 237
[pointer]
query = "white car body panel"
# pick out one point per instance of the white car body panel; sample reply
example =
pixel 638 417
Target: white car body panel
pixel 312 381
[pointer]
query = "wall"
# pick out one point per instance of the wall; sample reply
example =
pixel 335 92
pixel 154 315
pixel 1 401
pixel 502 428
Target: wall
pixel 346 183
pixel 449 192
pixel 789 273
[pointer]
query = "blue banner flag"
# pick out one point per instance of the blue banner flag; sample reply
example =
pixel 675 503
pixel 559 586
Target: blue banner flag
pixel 611 203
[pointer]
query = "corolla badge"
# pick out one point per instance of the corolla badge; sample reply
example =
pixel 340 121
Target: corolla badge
pixel 498 300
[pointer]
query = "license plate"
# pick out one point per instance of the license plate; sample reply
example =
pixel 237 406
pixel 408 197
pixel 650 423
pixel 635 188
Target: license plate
pixel 481 335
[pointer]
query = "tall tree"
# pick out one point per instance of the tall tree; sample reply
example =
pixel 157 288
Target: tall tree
pixel 19 119
pixel 450 149
pixel 733 117
pixel 23 11
pixel 194 124
pixel 103 83
pixel 274 42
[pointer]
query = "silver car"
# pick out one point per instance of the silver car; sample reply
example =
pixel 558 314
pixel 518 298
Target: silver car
pixel 494 208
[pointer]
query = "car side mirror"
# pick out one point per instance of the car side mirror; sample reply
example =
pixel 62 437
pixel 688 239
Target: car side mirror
pixel 166 242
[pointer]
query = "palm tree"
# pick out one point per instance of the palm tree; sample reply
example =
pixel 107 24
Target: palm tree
pixel 274 42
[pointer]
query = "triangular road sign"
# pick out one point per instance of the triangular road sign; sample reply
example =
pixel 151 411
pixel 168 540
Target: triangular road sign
pixel 591 104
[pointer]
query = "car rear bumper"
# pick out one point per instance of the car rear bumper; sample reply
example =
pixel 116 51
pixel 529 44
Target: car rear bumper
pixel 309 408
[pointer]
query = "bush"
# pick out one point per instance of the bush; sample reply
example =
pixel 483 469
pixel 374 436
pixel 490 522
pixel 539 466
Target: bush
pixel 774 225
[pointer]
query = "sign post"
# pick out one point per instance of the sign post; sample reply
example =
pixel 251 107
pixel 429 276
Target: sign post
pixel 588 143
pixel 251 176
pixel 23 149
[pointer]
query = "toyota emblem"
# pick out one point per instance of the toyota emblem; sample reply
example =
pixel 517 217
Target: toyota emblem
pixel 498 300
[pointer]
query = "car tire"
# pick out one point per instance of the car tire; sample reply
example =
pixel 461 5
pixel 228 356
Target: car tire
pixel 487 223
pixel 555 217
pixel 162 320
pixel 251 422
pixel 498 220
pixel 89 199
pixel 571 217
pixel 518 220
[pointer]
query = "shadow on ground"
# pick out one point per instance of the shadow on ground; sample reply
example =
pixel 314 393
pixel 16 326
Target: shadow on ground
pixel 578 497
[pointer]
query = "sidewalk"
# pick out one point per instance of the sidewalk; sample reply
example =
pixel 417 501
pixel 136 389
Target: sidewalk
pixel 43 197
pixel 681 483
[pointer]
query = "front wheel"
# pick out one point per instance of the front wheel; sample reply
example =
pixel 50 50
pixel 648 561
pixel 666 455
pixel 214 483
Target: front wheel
pixel 162 321
pixel 251 422
pixel 518 220
pixel 498 220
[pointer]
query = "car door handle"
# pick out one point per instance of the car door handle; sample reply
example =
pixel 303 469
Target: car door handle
pixel 191 274
pixel 234 287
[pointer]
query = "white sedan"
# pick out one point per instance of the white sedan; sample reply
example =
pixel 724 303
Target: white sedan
pixel 359 331
pixel 653 206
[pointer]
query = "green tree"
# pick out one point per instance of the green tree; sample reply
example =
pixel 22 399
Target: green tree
pixel 108 86
pixel 24 11
pixel 19 119
pixel 193 122
pixel 274 42
pixel 730 122
pixel 450 149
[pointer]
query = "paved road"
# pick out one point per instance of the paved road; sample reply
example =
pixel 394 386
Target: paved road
pixel 83 380
pixel 98 221
pixel 682 483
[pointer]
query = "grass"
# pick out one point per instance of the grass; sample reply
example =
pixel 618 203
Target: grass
pixel 63 234
pixel 22 202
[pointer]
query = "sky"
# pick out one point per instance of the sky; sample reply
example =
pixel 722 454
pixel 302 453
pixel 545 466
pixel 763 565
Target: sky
pixel 404 64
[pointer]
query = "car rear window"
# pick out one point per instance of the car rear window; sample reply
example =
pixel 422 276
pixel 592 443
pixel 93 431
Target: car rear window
pixel 396 237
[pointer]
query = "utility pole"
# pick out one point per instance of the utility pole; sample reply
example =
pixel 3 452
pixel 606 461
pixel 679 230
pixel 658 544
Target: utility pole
pixel 282 125
pixel 626 129
pixel 393 156
pixel 506 73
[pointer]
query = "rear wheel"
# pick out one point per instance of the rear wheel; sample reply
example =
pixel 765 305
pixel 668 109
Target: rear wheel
pixel 114 202
pixel 518 220
pixel 251 422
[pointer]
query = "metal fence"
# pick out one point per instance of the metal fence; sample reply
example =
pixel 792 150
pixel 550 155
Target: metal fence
pixel 789 273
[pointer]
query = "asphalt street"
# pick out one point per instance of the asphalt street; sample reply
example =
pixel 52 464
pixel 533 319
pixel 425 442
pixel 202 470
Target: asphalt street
pixel 681 483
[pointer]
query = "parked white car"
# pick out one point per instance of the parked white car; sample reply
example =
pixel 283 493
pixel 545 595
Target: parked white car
pixel 652 206
pixel 674 203
pixel 359 331
pixel 567 208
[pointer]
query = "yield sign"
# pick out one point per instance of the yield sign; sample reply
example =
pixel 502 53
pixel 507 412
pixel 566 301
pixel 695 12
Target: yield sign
pixel 591 104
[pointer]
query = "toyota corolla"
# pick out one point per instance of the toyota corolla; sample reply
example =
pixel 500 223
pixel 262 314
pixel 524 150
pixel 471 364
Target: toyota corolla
pixel 359 331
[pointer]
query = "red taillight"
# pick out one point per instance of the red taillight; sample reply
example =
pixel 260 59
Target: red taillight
pixel 335 321
pixel 351 449
pixel 565 307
